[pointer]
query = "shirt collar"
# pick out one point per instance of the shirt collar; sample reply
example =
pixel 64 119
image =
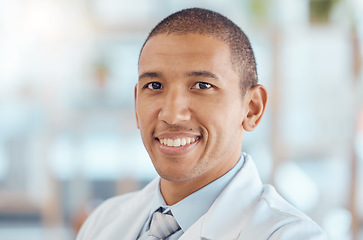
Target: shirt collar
pixel 191 208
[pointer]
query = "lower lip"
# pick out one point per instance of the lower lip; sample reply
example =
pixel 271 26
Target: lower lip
pixel 176 150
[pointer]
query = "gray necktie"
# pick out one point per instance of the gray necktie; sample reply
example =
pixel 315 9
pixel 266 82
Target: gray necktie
pixel 162 226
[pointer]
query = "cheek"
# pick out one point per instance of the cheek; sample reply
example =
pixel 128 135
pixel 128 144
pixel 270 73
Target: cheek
pixel 226 113
pixel 145 113
pixel 147 120
pixel 224 123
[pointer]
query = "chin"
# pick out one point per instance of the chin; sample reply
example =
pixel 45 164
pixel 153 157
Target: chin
pixel 173 176
pixel 177 170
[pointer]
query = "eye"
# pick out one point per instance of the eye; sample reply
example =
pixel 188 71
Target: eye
pixel 202 85
pixel 154 85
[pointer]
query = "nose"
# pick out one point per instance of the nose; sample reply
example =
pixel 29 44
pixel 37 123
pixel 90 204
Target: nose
pixel 175 108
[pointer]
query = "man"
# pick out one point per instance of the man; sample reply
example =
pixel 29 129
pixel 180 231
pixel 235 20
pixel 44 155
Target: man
pixel 197 93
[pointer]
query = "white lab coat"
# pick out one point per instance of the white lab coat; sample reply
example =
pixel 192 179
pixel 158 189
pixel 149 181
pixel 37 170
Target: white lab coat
pixel 245 210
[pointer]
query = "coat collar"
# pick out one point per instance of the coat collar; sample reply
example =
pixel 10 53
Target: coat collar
pixel 233 204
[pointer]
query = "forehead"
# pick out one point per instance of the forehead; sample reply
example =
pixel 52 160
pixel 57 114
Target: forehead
pixel 185 51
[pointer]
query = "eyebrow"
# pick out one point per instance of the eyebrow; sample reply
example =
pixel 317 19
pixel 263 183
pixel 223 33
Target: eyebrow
pixel 205 74
pixel 149 75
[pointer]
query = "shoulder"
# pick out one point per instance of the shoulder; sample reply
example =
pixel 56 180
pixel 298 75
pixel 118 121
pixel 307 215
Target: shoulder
pixel 274 217
pixel 104 214
pixel 116 209
pixel 112 206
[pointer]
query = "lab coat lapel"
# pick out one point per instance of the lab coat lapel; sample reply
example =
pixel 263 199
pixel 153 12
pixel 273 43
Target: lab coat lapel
pixel 225 219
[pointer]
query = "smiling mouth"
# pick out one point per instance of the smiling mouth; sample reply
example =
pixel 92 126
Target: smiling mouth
pixel 177 142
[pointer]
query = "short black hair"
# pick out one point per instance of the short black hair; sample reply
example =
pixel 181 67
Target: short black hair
pixel 207 22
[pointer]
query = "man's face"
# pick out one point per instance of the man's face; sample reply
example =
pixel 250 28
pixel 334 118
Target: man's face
pixel 189 107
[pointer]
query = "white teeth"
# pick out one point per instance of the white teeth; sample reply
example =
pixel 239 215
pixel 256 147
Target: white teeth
pixel 177 142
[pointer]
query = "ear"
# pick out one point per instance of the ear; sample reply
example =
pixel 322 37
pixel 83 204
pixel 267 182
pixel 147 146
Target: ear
pixel 255 100
pixel 135 100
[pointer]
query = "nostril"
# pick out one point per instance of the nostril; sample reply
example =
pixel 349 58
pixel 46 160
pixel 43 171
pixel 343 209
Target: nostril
pixel 174 114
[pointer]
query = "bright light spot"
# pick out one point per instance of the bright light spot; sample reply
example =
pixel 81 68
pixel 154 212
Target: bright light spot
pixel 62 158
pixel 101 156
pixel 297 186
pixel 337 223
pixel 44 19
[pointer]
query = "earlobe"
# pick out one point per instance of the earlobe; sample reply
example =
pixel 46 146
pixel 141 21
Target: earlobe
pixel 135 101
pixel 256 100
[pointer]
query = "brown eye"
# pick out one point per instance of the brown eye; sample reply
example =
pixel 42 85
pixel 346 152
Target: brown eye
pixel 202 85
pixel 154 85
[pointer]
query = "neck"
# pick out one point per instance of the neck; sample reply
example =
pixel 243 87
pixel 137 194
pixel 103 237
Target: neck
pixel 175 191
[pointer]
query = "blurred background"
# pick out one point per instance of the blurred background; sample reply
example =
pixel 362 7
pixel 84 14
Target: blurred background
pixel 68 138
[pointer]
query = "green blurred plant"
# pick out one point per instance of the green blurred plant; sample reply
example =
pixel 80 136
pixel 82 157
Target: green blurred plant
pixel 259 7
pixel 320 10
